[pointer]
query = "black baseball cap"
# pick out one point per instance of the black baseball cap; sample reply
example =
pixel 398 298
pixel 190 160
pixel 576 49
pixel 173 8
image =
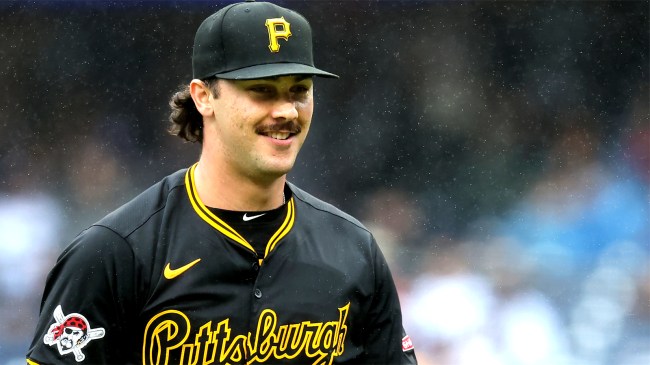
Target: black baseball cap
pixel 253 40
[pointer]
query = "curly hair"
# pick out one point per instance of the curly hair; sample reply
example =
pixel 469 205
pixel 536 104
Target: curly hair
pixel 186 121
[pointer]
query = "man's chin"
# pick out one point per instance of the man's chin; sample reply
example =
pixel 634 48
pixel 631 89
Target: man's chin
pixel 274 172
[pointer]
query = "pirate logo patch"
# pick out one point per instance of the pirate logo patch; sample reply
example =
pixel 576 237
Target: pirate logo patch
pixel 71 333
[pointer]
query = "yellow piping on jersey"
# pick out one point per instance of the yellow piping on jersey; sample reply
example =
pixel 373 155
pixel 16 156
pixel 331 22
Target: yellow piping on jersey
pixel 284 228
pixel 207 215
pixel 224 228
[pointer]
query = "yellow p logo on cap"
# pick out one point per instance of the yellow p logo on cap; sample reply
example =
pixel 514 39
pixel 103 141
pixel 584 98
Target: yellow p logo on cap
pixel 278 29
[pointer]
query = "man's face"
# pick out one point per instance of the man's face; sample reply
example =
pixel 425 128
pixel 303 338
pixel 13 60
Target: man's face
pixel 259 125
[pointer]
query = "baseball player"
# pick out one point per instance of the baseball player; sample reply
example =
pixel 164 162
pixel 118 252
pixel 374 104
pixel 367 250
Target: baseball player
pixel 226 262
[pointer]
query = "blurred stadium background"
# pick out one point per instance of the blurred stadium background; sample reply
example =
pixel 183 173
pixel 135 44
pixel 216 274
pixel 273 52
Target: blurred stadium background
pixel 500 152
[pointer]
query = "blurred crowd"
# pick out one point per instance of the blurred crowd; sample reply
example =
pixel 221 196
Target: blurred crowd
pixel 498 151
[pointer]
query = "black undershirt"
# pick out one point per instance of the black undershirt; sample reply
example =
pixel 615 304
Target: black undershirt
pixel 259 230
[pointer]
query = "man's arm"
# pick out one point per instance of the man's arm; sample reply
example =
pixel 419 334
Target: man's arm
pixel 88 298
pixel 387 342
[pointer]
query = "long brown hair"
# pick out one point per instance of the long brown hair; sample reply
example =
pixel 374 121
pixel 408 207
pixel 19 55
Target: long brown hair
pixel 186 121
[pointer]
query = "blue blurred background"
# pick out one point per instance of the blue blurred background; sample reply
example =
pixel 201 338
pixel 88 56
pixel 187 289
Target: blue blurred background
pixel 499 151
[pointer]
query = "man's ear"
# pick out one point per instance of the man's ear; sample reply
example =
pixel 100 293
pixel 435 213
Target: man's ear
pixel 201 96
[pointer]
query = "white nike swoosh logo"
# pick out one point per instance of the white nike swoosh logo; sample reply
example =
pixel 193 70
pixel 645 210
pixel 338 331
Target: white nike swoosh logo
pixel 247 218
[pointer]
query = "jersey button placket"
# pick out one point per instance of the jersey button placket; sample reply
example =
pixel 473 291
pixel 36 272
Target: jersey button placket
pixel 257 293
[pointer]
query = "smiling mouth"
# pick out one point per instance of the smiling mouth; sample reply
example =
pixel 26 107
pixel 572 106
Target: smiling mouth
pixel 280 132
pixel 279 135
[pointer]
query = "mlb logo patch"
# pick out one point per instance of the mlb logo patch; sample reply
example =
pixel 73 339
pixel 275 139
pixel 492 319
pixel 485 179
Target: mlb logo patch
pixel 407 344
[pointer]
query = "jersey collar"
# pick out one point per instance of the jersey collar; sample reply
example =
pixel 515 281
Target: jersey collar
pixel 227 230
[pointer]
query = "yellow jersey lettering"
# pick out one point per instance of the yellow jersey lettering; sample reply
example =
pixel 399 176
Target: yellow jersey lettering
pixel 209 345
pixel 278 29
pixel 236 350
pixel 202 340
pixel 341 330
pixel 265 339
pixel 167 334
pixel 290 342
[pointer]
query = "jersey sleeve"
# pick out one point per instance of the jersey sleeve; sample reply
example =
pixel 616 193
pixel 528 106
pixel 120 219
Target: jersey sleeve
pixel 85 309
pixel 387 341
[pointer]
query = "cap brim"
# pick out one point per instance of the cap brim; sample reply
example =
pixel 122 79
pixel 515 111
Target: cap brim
pixel 272 70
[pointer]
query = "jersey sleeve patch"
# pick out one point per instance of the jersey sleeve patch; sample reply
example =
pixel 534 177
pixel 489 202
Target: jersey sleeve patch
pixel 407 344
pixel 71 333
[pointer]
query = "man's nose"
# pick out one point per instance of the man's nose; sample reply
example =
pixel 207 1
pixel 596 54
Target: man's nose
pixel 285 109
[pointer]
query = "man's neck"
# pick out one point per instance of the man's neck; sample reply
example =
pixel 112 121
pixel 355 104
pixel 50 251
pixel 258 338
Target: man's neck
pixel 231 191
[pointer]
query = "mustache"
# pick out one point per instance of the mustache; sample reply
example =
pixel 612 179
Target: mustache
pixel 288 126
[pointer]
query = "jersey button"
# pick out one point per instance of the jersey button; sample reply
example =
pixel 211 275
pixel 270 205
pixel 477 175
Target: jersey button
pixel 256 266
pixel 257 293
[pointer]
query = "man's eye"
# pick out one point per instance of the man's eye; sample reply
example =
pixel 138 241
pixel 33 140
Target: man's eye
pixel 299 89
pixel 261 89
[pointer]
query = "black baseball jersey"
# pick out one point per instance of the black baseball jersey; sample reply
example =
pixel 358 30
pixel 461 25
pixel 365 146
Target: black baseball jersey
pixel 163 280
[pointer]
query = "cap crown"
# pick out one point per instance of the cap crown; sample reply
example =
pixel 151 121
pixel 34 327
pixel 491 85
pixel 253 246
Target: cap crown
pixel 253 40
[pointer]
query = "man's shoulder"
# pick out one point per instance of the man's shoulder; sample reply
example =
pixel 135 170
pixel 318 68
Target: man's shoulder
pixel 139 210
pixel 319 205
